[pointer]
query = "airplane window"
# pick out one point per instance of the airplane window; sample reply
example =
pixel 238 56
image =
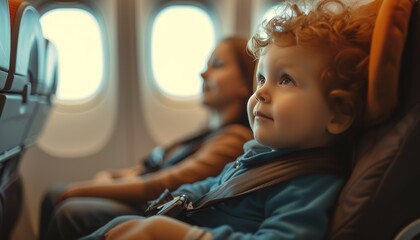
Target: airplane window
pixel 76 34
pixel 181 40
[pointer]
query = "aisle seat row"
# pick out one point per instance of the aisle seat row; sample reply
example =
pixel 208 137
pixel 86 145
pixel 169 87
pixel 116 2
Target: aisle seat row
pixel 28 80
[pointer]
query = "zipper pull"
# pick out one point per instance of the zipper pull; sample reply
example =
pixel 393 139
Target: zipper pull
pixel 237 164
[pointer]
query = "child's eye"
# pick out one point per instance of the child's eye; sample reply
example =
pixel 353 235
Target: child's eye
pixel 286 80
pixel 260 80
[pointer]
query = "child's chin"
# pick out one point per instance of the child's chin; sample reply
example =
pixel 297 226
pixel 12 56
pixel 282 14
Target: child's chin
pixel 265 143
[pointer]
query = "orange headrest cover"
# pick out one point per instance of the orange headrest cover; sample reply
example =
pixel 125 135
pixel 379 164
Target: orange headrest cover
pixel 388 40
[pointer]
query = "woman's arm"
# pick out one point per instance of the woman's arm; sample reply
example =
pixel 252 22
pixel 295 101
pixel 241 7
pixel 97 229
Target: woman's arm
pixel 222 148
pixel 126 190
pixel 113 174
pixel 209 160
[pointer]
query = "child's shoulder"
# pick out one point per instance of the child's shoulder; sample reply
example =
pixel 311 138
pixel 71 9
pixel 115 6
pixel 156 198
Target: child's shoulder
pixel 320 186
pixel 316 179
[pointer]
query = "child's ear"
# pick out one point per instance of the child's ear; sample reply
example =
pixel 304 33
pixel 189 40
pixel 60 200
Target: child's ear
pixel 342 112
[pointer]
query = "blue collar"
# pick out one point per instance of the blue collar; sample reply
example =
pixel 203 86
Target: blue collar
pixel 255 153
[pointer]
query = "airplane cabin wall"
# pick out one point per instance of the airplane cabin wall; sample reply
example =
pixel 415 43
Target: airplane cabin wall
pixel 128 98
pixel 40 168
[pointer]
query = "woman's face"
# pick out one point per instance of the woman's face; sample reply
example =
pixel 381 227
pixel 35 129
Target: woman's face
pixel 223 82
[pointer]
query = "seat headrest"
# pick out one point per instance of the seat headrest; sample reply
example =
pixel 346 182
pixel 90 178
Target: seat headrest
pixel 27 47
pixel 386 170
pixel 390 33
pixel 48 87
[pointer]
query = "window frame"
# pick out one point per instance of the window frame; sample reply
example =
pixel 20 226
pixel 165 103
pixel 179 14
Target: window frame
pixel 87 103
pixel 164 98
pixel 79 118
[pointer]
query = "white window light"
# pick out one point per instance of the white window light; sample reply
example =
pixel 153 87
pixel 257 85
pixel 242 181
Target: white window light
pixel 270 13
pixel 182 38
pixel 76 34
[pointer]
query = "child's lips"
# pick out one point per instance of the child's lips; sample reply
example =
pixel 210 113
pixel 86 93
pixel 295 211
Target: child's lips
pixel 261 116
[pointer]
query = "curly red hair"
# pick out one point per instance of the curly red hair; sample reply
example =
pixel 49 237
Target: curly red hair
pixel 332 27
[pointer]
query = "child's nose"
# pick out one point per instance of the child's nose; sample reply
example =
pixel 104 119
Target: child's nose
pixel 262 95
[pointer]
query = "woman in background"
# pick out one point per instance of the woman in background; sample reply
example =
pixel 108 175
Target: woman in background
pixel 80 208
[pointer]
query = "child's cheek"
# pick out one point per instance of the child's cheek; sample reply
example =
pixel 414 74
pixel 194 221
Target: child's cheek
pixel 287 121
pixel 252 101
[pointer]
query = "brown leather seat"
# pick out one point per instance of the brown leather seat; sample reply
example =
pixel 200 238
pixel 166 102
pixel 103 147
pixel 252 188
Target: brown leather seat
pixel 382 195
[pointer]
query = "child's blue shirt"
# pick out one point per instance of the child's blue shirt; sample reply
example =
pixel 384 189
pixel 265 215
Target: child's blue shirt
pixel 296 209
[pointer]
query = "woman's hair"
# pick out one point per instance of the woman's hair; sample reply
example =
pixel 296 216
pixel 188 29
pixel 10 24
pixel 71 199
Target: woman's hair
pixel 246 64
pixel 342 32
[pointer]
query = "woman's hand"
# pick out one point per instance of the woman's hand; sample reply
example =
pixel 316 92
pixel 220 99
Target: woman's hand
pixel 156 227
pixel 127 190
pixel 110 175
pixel 77 190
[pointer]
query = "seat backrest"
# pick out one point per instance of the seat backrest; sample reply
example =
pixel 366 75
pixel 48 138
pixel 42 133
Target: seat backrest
pixel 24 100
pixel 43 94
pixel 4 41
pixel 48 86
pixel 27 68
pixel 381 195
pixel 27 47
pixel 4 70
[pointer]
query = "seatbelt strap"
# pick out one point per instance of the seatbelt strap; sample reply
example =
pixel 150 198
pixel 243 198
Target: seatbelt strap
pixel 317 160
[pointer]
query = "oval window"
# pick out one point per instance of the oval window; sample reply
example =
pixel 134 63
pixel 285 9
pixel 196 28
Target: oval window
pixel 181 40
pixel 77 37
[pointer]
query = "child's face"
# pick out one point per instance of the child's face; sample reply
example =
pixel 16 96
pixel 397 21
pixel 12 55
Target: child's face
pixel 288 109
